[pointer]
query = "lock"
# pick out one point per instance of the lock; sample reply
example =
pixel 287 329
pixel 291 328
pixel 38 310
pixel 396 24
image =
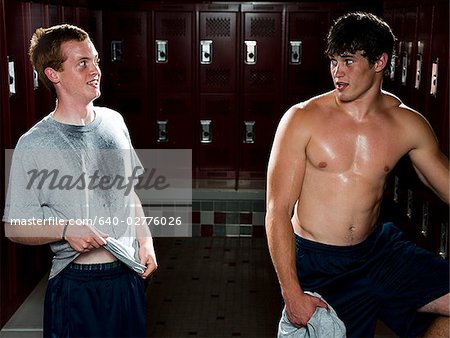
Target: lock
pixel 206 52
pixel 443 245
pixel 116 51
pixel 249 132
pixel 434 77
pixel 420 48
pixel 405 61
pixel 35 79
pixel 161 51
pixel 162 131
pixel 295 52
pixel 409 205
pixel 425 210
pixel 12 78
pixel 250 52
pixel 205 136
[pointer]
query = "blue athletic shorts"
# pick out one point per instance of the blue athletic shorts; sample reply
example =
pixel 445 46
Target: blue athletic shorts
pixel 95 300
pixel 383 278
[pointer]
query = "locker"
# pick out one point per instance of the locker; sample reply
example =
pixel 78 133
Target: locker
pixel 307 76
pixel 262 85
pixel 125 70
pixel 173 81
pixel 218 70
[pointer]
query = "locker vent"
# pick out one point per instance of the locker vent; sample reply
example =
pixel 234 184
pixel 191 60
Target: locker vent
pixel 173 27
pixel 261 78
pixel 218 27
pixel 218 77
pixel 262 27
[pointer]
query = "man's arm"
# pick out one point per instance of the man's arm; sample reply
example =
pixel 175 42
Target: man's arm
pixel 81 238
pixel 430 163
pixel 147 254
pixel 285 174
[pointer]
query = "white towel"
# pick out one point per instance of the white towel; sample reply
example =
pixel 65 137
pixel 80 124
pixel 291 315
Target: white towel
pixel 324 323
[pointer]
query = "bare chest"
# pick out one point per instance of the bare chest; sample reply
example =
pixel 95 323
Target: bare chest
pixel 353 150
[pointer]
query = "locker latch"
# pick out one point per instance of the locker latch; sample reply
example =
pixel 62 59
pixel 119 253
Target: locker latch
pixel 205 136
pixel 420 48
pixel 12 78
pixel 250 52
pixel 434 77
pixel 116 51
pixel 295 52
pixel 35 79
pixel 205 52
pixel 443 247
pixel 249 132
pixel 405 61
pixel 409 205
pixel 161 51
pixel 162 131
pixel 425 210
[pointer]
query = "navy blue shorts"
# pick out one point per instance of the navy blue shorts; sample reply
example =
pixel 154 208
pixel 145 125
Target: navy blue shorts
pixel 95 300
pixel 383 278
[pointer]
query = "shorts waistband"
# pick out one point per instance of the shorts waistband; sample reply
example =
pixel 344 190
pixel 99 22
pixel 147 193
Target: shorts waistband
pixel 362 247
pixel 96 267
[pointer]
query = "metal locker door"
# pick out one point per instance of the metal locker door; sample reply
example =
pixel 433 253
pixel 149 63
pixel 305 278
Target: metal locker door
pixel 308 70
pixel 262 52
pixel 218 40
pixel 173 51
pixel 217 62
pixel 125 70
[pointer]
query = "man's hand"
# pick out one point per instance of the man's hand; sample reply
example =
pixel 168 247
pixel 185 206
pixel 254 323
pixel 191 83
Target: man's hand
pixel 84 238
pixel 300 308
pixel 147 256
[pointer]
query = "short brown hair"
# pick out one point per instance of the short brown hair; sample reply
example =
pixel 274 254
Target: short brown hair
pixel 45 48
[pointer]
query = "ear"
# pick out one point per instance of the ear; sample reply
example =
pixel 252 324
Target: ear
pixel 52 75
pixel 381 63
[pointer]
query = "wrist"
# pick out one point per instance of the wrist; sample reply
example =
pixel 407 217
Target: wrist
pixel 64 231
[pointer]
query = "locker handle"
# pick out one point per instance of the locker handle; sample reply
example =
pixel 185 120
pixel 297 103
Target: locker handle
pixel 295 53
pixel 419 60
pixel 250 52
pixel 443 240
pixel 162 131
pixel 434 78
pixel 116 51
pixel 249 132
pixel 206 135
pixel 12 77
pixel 206 52
pixel 161 51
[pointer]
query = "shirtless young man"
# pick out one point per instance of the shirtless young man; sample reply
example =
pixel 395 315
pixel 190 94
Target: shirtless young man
pixel 89 293
pixel 326 175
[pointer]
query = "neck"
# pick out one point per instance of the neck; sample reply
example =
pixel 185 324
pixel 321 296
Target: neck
pixel 70 114
pixel 360 108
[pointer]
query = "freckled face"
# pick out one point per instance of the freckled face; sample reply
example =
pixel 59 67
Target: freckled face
pixel 80 76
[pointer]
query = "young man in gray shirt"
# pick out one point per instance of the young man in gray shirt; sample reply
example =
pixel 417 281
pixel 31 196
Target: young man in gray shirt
pixel 65 190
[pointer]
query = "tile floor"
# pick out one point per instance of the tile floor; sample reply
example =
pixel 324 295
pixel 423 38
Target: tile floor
pixel 205 287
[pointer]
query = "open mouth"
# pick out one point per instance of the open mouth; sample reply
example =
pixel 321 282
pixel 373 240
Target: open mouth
pixel 341 85
pixel 94 83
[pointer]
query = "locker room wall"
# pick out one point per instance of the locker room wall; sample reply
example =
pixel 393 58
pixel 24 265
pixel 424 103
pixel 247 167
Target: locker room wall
pixel 223 107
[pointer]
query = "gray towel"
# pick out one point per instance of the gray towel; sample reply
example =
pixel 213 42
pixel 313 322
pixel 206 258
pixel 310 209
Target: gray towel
pixel 323 324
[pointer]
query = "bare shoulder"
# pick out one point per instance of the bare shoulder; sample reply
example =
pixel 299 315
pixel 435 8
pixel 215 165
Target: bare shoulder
pixel 414 125
pixel 310 110
pixel 402 113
